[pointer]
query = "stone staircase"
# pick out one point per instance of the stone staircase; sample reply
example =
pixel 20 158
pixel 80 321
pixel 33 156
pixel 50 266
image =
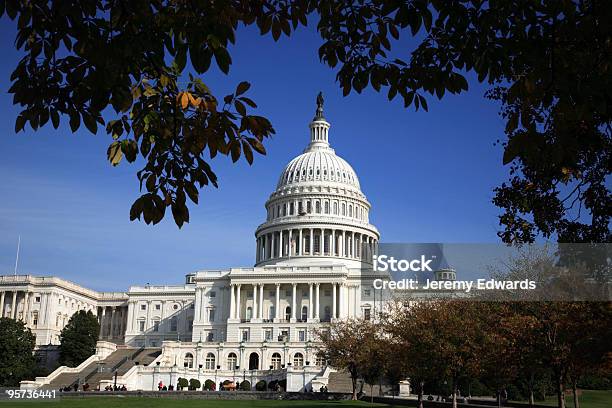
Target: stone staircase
pixel 119 361
pixel 340 381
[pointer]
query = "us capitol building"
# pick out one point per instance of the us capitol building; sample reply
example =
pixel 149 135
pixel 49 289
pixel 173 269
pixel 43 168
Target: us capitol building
pixel 254 323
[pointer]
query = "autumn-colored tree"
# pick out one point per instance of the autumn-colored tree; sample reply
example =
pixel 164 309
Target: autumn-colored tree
pixel 441 339
pixel 411 340
pixel 352 345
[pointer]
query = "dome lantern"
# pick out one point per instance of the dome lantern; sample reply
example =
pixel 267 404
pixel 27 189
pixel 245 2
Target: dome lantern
pixel 319 128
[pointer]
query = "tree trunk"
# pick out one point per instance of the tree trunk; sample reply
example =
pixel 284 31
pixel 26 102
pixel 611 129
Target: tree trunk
pixel 560 392
pixel 498 394
pixel 530 389
pixel 354 383
pixel 454 393
pixel 575 393
pixel 421 391
pixel 371 393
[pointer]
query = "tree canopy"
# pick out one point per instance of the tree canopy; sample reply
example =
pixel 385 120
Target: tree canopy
pixel 78 338
pixel 547 62
pixel 17 360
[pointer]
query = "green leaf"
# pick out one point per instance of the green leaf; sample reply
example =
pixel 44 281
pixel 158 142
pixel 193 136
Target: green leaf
pixel 114 153
pixel 20 123
pixel 248 153
pixel 242 88
pixel 90 123
pixel 75 120
pixel 223 59
pixel 192 192
pixel 55 119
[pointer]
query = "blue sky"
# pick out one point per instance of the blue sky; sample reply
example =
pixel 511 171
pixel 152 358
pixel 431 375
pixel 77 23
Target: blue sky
pixel 429 175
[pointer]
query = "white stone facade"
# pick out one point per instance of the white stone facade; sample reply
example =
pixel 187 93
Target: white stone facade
pixel 257 322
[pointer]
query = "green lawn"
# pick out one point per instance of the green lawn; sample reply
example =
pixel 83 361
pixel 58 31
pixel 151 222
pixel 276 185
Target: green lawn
pixel 588 399
pixel 135 402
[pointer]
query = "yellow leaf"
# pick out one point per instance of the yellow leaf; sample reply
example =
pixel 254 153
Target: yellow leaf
pixel 184 100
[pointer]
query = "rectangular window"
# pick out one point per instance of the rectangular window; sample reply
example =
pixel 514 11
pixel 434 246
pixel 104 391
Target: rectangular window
pixel 212 294
pixel 37 299
pixel 268 334
pixel 284 336
pixel 157 306
pixel 143 307
pixel 302 335
pixel 366 314
pixel 210 336
pixel 156 326
pixel 245 335
pixel 327 292
pixel 211 315
pixel 366 292
pixel 141 325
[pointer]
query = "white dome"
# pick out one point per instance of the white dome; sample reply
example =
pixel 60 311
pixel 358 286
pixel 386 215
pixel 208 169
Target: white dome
pixel 318 165
pixel 317 212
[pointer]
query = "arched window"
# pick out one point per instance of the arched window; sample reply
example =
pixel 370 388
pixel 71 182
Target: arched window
pixel 298 360
pixel 188 360
pixel 335 208
pixel 350 213
pixel 308 207
pixel 327 207
pixel 288 313
pixel 318 207
pixel 210 361
pixel 291 209
pixel 343 208
pixel 304 313
pixel 231 361
pixel 276 361
pixel 249 313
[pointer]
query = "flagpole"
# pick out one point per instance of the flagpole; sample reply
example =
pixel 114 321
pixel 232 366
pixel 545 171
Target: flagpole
pixel 17 257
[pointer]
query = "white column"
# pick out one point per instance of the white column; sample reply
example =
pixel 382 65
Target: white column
pixel 232 302
pixel 2 304
pixel 261 301
pixel 277 307
pixel 341 300
pixel 197 303
pixel 289 252
pixel 332 244
pixel 318 302
pixel 310 302
pixel 26 304
pixel 280 244
pixel 255 305
pixel 112 322
pixel 343 244
pixel 293 301
pixel 102 321
pixel 301 245
pixel 238 305
pixel 14 305
pixel 334 309
pixel 272 254
pixel 311 242
pixel 130 316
